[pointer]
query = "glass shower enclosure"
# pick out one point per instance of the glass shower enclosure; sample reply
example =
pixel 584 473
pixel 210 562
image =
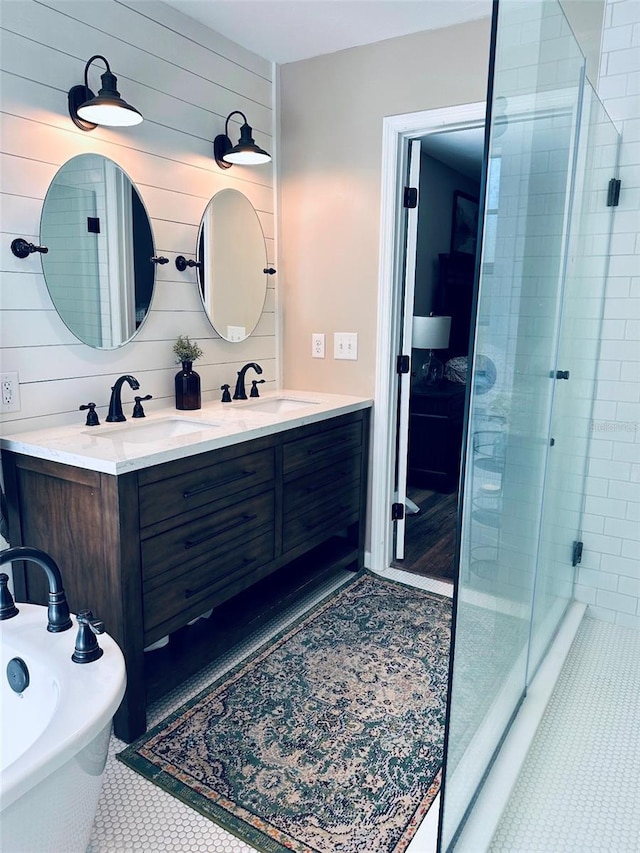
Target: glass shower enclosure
pixel 551 152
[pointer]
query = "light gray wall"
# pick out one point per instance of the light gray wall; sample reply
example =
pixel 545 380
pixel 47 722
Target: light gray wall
pixel 331 115
pixel 184 79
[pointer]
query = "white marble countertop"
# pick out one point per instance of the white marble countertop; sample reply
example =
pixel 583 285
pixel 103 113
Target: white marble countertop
pixel 115 448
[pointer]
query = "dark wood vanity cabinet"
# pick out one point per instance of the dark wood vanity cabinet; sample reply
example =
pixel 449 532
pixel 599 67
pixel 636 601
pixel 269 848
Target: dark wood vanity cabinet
pixel 151 550
pixel 205 524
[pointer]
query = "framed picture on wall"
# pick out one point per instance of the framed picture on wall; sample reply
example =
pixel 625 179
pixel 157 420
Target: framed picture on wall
pixel 464 225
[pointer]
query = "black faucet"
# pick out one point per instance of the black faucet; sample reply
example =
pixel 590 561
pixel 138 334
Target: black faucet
pixel 138 411
pixel 240 393
pixel 115 403
pixel 58 610
pixel 254 387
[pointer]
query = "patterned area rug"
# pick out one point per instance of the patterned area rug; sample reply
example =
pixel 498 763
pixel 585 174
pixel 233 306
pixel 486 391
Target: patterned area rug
pixel 329 738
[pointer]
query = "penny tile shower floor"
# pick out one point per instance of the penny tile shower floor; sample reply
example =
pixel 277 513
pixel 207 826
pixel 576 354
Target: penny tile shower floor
pixel 135 815
pixel 579 789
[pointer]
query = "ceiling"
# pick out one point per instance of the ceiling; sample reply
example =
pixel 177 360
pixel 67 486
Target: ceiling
pixel 288 30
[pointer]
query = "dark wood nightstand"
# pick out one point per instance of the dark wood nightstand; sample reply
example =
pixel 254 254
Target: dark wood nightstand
pixel 435 435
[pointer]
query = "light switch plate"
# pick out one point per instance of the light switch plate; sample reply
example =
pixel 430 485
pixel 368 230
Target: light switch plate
pixel 345 345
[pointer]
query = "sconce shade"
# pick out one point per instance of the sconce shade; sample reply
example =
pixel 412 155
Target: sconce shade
pixel 107 108
pixel 431 332
pixel 245 153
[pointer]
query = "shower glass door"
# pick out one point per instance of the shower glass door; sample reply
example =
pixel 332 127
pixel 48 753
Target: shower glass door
pixel 535 105
pixel 578 349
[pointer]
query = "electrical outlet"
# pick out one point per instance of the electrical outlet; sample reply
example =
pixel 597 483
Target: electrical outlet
pixel 9 392
pixel 317 345
pixel 236 333
pixel 345 345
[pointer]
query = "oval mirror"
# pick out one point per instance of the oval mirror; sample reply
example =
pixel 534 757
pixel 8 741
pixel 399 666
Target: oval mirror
pixel 98 268
pixel 232 259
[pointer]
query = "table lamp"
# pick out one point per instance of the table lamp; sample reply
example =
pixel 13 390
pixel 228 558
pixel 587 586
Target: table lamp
pixel 430 333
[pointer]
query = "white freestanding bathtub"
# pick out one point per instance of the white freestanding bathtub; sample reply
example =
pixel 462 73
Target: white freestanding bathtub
pixel 55 735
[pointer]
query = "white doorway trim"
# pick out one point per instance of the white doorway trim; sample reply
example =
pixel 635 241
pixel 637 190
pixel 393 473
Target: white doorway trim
pixel 396 133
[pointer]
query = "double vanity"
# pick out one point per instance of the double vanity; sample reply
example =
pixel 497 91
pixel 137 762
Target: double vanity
pixel 159 520
pixel 226 511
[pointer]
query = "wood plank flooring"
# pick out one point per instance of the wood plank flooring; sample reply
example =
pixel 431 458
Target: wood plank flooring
pixel 430 535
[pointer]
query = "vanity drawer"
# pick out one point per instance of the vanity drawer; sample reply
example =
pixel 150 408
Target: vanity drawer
pixel 188 490
pixel 193 540
pixel 319 486
pixel 322 515
pixel 188 592
pixel 321 448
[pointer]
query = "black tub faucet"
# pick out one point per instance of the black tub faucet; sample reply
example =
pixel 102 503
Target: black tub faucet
pixel 58 609
pixel 87 649
pixel 240 393
pixel 8 607
pixel 115 403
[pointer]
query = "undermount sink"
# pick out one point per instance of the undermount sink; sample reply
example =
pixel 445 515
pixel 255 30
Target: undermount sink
pixel 153 430
pixel 276 405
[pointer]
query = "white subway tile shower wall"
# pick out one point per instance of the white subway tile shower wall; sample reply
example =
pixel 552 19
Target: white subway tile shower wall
pixel 185 80
pixel 609 576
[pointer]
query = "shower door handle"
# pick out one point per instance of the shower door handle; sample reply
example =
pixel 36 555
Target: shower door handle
pixel 562 374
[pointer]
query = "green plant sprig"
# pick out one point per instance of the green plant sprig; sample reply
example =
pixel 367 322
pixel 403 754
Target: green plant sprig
pixel 186 350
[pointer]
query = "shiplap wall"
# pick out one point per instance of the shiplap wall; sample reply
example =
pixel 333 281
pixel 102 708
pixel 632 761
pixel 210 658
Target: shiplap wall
pixel 185 79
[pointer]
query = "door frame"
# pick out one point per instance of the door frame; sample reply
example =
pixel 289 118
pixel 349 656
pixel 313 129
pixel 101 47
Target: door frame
pixel 397 131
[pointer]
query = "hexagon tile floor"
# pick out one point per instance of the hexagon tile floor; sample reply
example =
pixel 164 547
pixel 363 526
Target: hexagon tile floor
pixel 578 792
pixel 579 789
pixel 135 815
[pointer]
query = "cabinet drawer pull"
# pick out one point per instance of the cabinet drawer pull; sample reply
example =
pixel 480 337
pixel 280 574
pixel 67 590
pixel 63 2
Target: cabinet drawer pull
pixel 207 486
pixel 189 593
pixel 191 543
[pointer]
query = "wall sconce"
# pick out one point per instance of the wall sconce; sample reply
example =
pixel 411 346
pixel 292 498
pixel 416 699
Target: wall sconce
pixel 87 110
pixel 245 153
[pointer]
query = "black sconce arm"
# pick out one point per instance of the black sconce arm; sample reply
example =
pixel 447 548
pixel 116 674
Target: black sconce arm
pixel 234 113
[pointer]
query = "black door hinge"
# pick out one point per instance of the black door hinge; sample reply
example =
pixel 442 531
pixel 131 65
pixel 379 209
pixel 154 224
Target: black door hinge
pixel 577 553
pixel 410 197
pixel 613 195
pixel 403 364
pixel 397 512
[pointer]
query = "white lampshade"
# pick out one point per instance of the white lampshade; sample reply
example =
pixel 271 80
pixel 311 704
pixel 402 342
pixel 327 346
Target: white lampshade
pixel 431 332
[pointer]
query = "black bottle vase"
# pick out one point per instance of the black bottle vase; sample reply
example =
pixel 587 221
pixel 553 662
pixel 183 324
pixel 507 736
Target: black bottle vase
pixel 187 388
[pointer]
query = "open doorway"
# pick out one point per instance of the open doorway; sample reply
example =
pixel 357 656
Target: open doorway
pixel 401 133
pixel 448 199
